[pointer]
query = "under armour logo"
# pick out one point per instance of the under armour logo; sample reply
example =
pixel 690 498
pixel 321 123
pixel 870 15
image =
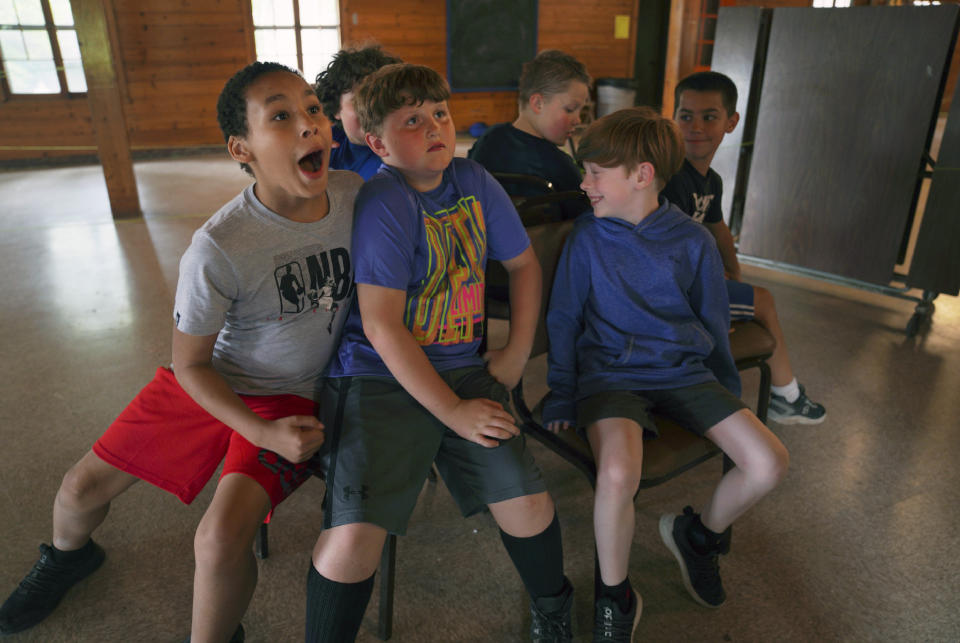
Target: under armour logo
pixel 362 492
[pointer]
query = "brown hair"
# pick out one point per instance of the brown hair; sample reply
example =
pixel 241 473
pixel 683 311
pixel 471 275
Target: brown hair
pixel 632 136
pixel 550 73
pixel 392 87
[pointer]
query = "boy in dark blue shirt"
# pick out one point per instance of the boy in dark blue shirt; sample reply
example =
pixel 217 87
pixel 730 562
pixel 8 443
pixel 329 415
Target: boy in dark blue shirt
pixel 706 111
pixel 335 87
pixel 639 321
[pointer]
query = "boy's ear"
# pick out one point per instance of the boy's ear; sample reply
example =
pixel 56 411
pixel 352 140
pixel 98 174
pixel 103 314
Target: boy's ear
pixel 646 175
pixel 536 102
pixel 238 149
pixel 732 122
pixel 375 143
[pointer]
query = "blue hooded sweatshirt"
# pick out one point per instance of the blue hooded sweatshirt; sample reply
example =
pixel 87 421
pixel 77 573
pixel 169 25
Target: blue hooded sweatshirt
pixel 637 307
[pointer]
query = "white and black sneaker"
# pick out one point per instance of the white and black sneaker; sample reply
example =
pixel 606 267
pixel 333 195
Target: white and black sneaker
pixel 803 410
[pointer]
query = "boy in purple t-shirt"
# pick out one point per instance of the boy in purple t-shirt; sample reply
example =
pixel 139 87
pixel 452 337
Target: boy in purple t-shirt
pixel 409 386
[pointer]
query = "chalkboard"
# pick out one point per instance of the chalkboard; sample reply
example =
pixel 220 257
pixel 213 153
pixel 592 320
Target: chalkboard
pixel 488 41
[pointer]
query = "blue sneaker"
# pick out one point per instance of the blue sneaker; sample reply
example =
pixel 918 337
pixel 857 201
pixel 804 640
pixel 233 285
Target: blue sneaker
pixel 700 572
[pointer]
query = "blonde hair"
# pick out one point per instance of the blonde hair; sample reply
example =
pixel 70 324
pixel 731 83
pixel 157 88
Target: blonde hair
pixel 551 72
pixel 632 136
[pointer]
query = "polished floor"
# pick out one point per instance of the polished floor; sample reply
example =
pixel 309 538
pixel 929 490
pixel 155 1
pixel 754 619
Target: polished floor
pixel 861 542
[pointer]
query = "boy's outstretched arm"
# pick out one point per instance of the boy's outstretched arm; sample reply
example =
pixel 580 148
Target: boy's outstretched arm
pixel 507 364
pixel 296 437
pixel 477 420
pixel 728 252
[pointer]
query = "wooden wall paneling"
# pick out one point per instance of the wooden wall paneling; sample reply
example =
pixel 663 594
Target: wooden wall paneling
pixel 842 128
pixel 734 54
pixel 936 257
pixel 98 48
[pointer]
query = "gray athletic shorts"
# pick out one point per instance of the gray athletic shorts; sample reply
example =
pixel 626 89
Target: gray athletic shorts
pixel 381 442
pixel 697 408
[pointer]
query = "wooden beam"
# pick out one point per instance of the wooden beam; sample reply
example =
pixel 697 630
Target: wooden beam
pixel 671 72
pixel 98 48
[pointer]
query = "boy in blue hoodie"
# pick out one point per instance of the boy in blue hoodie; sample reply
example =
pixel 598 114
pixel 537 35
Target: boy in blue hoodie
pixel 638 322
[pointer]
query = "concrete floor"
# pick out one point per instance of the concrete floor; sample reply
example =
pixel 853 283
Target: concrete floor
pixel 858 544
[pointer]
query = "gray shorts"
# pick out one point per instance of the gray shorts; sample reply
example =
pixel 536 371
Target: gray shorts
pixel 697 408
pixel 381 442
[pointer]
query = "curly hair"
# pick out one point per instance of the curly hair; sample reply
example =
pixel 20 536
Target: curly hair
pixel 348 67
pixel 632 136
pixel 232 103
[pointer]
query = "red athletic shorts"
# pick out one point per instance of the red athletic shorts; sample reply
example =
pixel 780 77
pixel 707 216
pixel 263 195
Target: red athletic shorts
pixel 167 439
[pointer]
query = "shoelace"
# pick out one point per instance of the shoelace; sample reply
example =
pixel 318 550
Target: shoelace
pixel 46 575
pixel 545 626
pixel 612 627
pixel 707 570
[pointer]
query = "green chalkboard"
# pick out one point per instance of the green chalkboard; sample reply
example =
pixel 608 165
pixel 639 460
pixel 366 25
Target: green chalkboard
pixel 488 41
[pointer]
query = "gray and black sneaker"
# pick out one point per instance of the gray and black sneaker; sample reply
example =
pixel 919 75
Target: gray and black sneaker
pixel 550 617
pixel 40 591
pixel 700 572
pixel 610 625
pixel 803 410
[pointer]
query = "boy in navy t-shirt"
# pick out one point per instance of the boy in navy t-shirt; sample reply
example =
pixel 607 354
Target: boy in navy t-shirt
pixel 706 111
pixel 336 86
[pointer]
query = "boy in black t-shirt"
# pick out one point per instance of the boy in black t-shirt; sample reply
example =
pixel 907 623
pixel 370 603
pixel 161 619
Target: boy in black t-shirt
pixel 706 111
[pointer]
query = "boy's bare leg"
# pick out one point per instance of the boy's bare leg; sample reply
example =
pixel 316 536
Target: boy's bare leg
pixel 765 312
pixel 226 569
pixel 617 445
pixel 83 500
pixel 525 516
pixel 349 553
pixel 761 462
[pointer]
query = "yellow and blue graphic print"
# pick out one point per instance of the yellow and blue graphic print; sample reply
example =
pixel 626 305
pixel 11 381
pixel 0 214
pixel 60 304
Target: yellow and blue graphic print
pixel 448 307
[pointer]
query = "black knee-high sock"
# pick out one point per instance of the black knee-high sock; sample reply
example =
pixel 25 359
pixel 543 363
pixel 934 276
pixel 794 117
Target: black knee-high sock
pixel 538 559
pixel 335 610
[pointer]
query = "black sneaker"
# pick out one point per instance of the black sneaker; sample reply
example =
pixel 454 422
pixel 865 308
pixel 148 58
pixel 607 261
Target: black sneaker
pixel 550 617
pixel 239 636
pixel 611 625
pixel 41 590
pixel 700 572
pixel 803 410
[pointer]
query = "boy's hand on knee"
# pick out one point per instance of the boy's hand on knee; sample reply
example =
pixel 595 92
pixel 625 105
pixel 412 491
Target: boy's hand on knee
pixel 482 421
pixel 506 366
pixel 295 437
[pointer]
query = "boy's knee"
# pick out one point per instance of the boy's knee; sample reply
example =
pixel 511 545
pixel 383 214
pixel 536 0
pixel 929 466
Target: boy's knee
pixel 349 553
pixel 619 476
pixel 763 303
pixel 85 486
pixel 772 468
pixel 219 541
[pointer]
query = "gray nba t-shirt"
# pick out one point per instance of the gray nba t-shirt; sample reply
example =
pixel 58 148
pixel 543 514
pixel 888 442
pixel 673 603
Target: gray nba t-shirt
pixel 277 291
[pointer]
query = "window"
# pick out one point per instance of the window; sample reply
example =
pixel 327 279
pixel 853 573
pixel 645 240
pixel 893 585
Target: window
pixel 303 34
pixel 39 52
pixel 831 3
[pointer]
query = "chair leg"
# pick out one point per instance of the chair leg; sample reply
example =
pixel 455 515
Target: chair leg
pixel 763 397
pixel 388 563
pixel 261 547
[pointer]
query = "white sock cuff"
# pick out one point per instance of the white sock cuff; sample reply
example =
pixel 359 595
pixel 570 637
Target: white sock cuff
pixel 790 392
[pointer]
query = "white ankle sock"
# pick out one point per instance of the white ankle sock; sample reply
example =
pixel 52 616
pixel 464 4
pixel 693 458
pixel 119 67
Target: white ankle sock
pixel 790 392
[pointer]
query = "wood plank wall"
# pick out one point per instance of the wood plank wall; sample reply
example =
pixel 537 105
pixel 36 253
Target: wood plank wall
pixel 176 55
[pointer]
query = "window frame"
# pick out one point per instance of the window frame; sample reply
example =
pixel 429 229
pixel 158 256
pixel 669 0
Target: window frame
pixel 297 29
pixel 48 25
